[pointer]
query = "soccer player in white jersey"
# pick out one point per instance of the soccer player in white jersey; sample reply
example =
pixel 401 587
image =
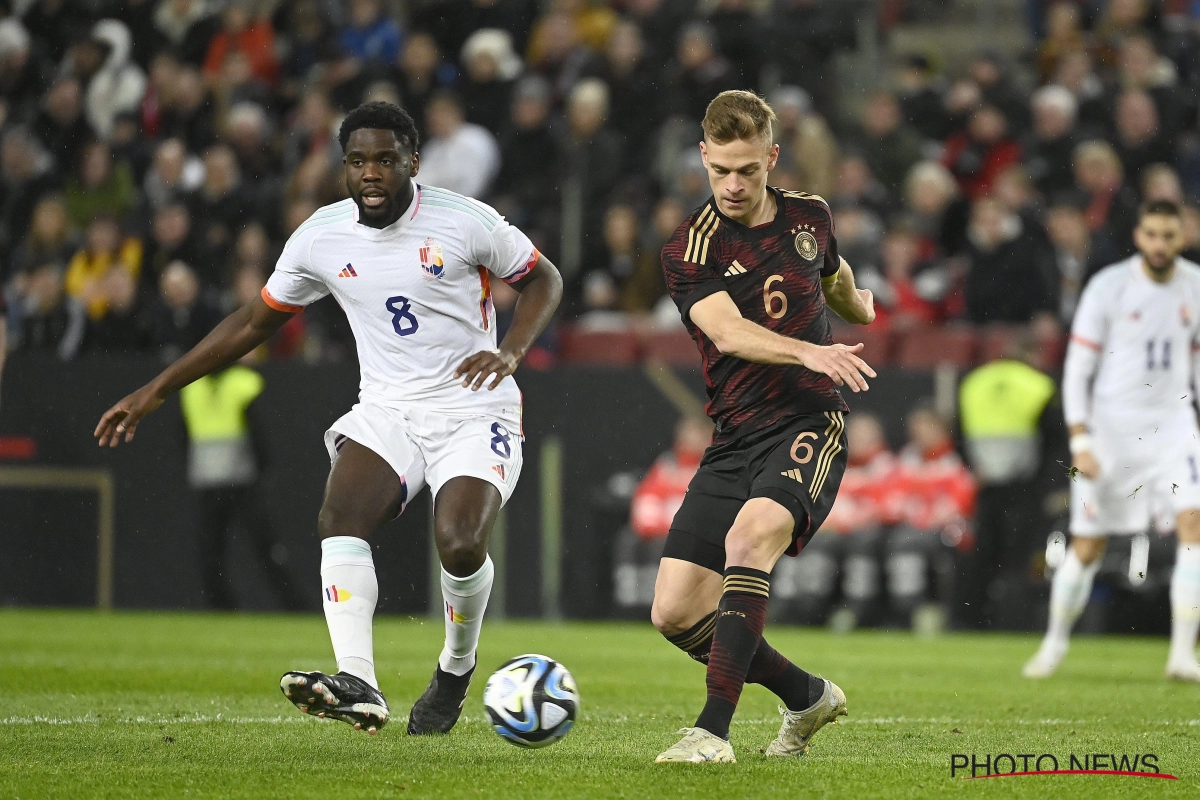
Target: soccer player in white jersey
pixel 1128 392
pixel 411 266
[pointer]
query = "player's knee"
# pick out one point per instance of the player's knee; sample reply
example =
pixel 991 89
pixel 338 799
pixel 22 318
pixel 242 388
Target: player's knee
pixel 337 519
pixel 1087 549
pixel 462 549
pixel 667 618
pixel 755 543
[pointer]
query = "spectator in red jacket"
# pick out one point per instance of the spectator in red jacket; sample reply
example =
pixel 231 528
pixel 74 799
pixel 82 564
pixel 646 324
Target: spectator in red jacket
pixel 661 492
pixel 977 155
pixel 241 34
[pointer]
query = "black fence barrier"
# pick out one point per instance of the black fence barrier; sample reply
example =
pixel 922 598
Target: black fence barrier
pixel 591 423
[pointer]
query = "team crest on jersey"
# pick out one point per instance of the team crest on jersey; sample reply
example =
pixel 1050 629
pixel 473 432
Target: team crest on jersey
pixel 431 260
pixel 806 243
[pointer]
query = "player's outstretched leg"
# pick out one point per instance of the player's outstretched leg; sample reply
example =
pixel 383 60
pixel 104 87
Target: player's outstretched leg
pixel 362 492
pixel 1069 593
pixel 1185 604
pixel 465 511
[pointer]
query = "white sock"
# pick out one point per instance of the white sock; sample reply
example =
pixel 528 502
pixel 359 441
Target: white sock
pixel 465 601
pixel 1069 593
pixel 349 593
pixel 1185 604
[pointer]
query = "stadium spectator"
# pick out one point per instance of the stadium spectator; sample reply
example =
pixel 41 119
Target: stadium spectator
pixel 173 175
pixel 24 72
pixel 635 93
pixel 1139 140
pixel 1143 69
pixel 25 174
pixel 115 84
pixel 919 92
pixel 371 35
pixel 421 72
pixel 806 145
pixel 699 72
pixel 886 143
pixel 1009 277
pixel 183 312
pixel 1077 74
pixel 1079 252
pixel 48 319
pixel 459 155
pixel 123 328
pixel 223 203
pixel 491 69
pixel 525 188
pixel 853 187
pixel 997 89
pixel 60 125
pixel 590 163
pixel 1047 149
pixel 172 238
pixel 936 504
pixel 560 57
pixel 935 209
pixel 1111 204
pixel 49 240
pixel 252 38
pixel 188 26
pixel 101 186
pixel 104 249
pixel 186 111
pixel 977 155
pixel 1064 35
pixel 912 291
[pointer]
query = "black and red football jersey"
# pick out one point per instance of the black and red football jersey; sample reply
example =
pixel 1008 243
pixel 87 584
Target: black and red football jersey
pixel 773 273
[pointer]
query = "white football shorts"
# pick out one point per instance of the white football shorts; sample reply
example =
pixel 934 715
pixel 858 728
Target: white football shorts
pixel 425 447
pixel 1151 479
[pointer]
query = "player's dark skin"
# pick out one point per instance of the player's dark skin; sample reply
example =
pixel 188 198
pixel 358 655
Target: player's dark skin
pixel 363 491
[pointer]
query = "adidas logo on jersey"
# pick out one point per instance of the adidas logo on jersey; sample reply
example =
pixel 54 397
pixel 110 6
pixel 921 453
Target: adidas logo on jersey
pixel 348 272
pixel 794 474
pixel 735 269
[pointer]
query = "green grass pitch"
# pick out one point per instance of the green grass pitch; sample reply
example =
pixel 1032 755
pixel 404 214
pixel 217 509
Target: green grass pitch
pixel 141 705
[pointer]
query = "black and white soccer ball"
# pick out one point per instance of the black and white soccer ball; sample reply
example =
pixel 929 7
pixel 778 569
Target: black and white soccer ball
pixel 531 701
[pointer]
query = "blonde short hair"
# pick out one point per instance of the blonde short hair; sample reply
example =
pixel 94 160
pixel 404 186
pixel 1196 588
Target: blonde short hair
pixel 738 114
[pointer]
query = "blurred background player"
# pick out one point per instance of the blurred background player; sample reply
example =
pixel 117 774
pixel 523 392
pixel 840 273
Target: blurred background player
pixel 1128 399
pixel 226 457
pixel 752 272
pixel 433 347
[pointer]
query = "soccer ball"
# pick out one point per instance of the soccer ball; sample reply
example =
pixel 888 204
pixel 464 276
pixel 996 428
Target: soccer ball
pixel 531 701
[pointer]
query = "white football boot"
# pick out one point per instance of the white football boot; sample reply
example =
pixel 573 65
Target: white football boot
pixel 1183 670
pixel 698 746
pixel 1045 661
pixel 799 726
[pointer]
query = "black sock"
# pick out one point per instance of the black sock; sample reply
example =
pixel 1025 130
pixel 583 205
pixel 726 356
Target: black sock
pixel 736 636
pixel 696 641
pixel 796 688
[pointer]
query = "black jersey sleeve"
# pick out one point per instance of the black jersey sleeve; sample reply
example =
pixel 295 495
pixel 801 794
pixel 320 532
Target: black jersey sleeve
pixel 833 261
pixel 691 276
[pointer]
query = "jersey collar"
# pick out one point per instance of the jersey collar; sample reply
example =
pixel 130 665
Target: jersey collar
pixel 399 225
pixel 772 228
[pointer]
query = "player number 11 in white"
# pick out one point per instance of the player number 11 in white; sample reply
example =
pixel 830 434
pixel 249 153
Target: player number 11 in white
pixel 1153 361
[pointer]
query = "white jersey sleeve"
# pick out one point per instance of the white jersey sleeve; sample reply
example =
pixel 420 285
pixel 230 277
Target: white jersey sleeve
pixel 294 285
pixel 504 250
pixel 1089 332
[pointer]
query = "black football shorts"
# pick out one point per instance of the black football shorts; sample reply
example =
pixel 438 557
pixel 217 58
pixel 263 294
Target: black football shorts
pixel 798 463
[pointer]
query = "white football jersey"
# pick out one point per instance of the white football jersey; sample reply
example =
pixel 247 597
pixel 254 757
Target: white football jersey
pixel 1135 339
pixel 417 293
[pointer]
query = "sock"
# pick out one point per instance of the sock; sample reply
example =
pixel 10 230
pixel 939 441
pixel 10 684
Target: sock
pixel 1069 593
pixel 740 620
pixel 349 596
pixel 1185 604
pixel 465 601
pixel 769 668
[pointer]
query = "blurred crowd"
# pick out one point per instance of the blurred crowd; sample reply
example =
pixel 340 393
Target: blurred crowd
pixel 156 154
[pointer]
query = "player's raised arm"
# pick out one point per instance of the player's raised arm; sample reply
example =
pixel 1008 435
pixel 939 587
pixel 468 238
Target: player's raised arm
pixel 540 292
pixel 236 335
pixel 847 300
pixel 721 321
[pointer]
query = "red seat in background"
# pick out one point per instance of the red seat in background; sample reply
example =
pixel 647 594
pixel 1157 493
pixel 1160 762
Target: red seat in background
pixel 876 341
pixel 676 348
pixel 605 348
pixel 927 348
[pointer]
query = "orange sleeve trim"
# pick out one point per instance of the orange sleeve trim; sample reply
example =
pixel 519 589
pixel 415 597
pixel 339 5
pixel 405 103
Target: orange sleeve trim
pixel 278 306
pixel 1085 342
pixel 525 270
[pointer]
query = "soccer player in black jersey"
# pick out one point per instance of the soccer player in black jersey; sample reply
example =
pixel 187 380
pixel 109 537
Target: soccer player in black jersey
pixel 752 271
